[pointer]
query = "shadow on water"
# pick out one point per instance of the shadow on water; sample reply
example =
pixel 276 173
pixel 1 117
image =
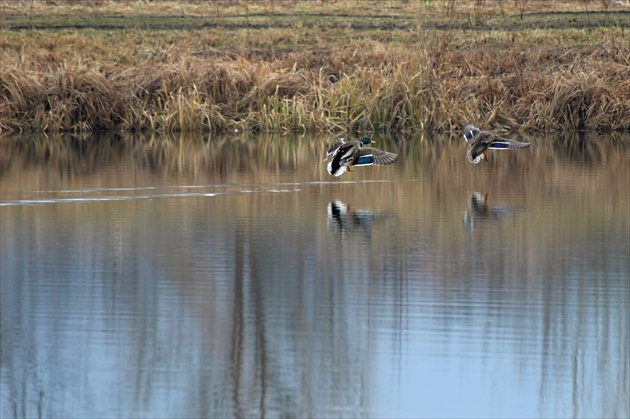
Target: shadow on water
pixel 232 276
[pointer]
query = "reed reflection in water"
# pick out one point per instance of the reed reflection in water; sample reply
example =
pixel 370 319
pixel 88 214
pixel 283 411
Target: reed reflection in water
pixel 234 277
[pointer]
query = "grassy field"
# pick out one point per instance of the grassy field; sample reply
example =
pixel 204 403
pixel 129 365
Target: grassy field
pixel 325 65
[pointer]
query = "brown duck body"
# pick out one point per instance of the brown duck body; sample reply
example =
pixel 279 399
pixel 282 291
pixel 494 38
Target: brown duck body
pixel 480 141
pixel 480 144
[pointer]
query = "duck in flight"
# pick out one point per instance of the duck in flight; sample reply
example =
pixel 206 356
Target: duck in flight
pixel 480 141
pixel 354 153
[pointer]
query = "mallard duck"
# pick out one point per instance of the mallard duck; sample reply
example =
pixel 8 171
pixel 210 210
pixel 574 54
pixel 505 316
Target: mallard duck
pixel 480 141
pixel 353 153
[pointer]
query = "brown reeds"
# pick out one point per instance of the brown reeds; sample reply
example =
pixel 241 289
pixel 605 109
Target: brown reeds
pixel 425 81
pixel 386 90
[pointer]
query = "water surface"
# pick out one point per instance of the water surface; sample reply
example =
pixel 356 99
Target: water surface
pixel 233 277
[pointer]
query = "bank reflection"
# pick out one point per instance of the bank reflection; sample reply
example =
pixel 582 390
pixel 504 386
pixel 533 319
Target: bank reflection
pixel 309 305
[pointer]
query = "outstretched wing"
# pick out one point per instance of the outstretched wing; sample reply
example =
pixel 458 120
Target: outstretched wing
pixel 369 155
pixel 505 144
pixel 334 147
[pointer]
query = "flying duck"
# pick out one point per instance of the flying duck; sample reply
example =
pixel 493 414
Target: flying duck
pixel 480 141
pixel 353 153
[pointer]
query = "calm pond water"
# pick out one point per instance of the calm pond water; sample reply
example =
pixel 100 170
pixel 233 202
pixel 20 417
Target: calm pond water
pixel 233 277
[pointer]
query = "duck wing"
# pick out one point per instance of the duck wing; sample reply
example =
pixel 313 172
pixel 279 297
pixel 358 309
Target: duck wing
pixel 342 157
pixel 347 153
pixel 369 155
pixel 506 144
pixel 334 147
pixel 470 131
pixel 481 142
pixel 335 169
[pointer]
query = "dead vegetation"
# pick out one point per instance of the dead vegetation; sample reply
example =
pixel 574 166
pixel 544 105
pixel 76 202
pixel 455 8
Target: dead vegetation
pixel 401 81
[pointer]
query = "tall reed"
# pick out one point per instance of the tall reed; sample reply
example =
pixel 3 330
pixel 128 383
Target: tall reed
pixel 380 88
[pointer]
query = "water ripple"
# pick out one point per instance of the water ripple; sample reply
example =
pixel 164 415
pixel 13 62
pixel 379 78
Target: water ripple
pixel 86 199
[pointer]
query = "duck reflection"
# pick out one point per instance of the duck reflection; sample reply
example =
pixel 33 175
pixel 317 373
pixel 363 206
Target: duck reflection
pixel 480 211
pixel 342 220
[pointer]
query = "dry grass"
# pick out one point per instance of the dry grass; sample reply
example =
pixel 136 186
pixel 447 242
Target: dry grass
pixel 314 75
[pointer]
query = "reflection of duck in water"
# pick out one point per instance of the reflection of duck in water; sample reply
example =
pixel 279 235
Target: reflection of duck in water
pixel 480 141
pixel 353 153
pixel 479 210
pixel 340 219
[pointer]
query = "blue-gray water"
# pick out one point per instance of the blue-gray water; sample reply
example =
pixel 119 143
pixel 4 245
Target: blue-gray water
pixel 234 277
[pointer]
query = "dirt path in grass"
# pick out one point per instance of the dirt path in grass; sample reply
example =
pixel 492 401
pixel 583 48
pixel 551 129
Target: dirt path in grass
pixel 510 22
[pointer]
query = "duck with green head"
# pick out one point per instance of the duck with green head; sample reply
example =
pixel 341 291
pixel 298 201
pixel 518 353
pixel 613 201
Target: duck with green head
pixel 354 153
